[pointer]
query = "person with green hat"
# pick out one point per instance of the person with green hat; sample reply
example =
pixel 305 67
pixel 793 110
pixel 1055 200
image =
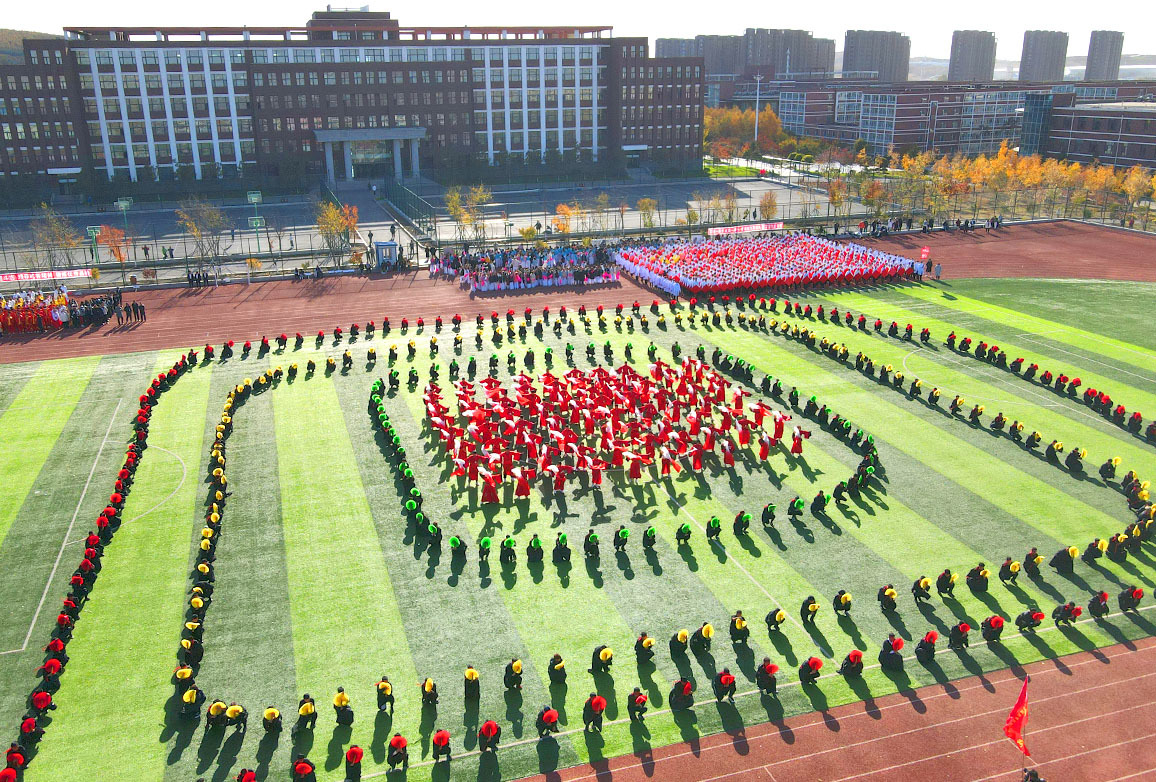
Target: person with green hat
pixel 819 504
pixel 713 528
pixel 457 548
pixel 484 546
pixel 508 555
pixel 561 548
pixel 648 538
pixel 534 551
pixel 795 509
pixel 590 545
pixel 742 523
pixel 769 514
pixel 620 538
pixel 682 535
pixel 435 536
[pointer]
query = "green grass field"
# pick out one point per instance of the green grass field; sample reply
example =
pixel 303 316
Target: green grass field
pixel 321 584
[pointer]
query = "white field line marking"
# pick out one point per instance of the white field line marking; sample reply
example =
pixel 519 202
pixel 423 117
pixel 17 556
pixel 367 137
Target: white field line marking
pixel 67 534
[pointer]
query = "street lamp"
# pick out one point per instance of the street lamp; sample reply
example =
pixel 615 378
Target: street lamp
pixel 758 94
pixel 124 203
pixel 256 222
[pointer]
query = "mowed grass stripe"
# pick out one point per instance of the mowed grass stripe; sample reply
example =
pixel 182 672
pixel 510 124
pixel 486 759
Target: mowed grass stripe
pixel 1125 389
pixel 37 531
pixel 12 382
pixel 32 424
pixel 124 648
pixel 1069 335
pixel 339 587
pixel 36 536
pixel 1071 423
pixel 1031 499
pixel 248 638
pixel 431 592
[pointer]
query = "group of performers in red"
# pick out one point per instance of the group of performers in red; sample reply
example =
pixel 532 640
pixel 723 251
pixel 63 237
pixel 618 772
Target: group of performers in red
pixel 602 420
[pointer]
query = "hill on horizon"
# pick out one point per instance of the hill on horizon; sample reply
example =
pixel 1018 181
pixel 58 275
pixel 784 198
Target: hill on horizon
pixel 12 44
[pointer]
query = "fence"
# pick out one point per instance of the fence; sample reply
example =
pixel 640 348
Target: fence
pixel 417 210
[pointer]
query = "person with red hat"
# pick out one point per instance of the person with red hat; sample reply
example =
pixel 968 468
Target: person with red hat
pixel 636 705
pixel 50 672
pixel 1129 598
pixel 725 686
pixel 397 754
pixel 441 745
pixel 30 731
pixel 765 677
pixel 246 775
pixel 891 654
pixel 488 736
pixel 42 703
pixel 353 757
pixel 957 639
pixel 592 712
pixel 682 694
pixel 1065 614
pixel 1029 620
pixel 852 664
pixel 809 670
pixel 303 767
pixel 925 649
pixel 991 628
pixel 15 757
pixel 1098 606
pixel 547 721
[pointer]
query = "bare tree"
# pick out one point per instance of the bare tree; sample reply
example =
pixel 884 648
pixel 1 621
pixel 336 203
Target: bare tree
pixel 55 236
pixel 206 225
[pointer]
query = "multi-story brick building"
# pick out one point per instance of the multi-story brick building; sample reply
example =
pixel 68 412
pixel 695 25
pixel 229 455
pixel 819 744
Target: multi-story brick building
pixel 1115 133
pixel 350 94
pixel 965 118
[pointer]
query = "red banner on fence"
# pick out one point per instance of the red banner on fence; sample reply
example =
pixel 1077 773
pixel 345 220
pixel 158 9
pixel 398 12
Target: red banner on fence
pixel 743 229
pixel 60 274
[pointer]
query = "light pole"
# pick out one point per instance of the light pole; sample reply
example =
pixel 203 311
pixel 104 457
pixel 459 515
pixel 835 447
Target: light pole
pixel 758 94
pixel 124 204
pixel 255 222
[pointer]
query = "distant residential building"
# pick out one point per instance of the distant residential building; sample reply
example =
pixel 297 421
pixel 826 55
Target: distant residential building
pixel 721 54
pixel 887 53
pixel 1044 56
pixel 1104 50
pixel 972 56
pixel 674 47
pixel 788 51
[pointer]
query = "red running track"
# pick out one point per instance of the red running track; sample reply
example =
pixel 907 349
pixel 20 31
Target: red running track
pixel 187 317
pixel 1092 718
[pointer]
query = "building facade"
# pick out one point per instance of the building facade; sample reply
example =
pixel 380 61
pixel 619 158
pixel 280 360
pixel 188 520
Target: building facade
pixel 972 56
pixel 1104 50
pixel 1044 56
pixel 349 95
pixel 1116 133
pixel 952 118
pixel 886 53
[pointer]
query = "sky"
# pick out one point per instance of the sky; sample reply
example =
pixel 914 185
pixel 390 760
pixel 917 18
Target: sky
pixel 929 24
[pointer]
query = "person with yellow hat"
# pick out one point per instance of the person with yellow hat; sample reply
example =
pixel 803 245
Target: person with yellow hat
pixel 556 669
pixel 271 719
pixel 842 602
pixel 1064 560
pixel 237 717
pixel 945 583
pixel 215 714
pixel 512 679
pixel 472 684
pixel 1095 550
pixel 192 651
pixel 429 692
pixel 887 598
pixel 977 578
pixel 1009 571
pixel 384 694
pixel 678 643
pixel 700 639
pixel 775 618
pixel 644 649
pixel 1032 562
pixel 809 609
pixel 191 700
pixel 921 589
pixel 601 659
pixel 1108 469
pixel 739 631
pixel 306 714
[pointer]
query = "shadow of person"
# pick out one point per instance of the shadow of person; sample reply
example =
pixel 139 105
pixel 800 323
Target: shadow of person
pixel 548 752
pixel 652 561
pixel 514 715
pixel 382 725
pixel 848 626
pixel 489 769
pixel 336 750
pixel 862 691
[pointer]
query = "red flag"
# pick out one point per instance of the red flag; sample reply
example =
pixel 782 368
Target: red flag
pixel 1017 720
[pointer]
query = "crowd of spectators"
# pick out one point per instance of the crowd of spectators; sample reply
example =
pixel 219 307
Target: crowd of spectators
pixel 526 268
pixel 31 311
